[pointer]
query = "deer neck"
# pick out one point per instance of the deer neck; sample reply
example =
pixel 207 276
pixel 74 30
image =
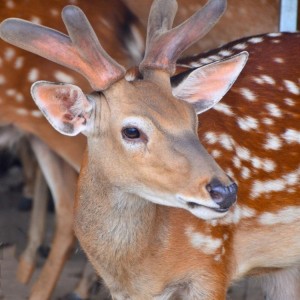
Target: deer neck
pixel 115 226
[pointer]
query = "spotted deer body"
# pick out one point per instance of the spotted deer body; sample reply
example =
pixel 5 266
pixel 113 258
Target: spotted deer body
pixel 242 243
pixel 191 247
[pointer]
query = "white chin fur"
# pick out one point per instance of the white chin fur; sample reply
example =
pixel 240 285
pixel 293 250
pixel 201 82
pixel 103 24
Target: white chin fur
pixel 205 213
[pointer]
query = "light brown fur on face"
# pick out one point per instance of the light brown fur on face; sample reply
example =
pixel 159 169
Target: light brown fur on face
pixel 176 165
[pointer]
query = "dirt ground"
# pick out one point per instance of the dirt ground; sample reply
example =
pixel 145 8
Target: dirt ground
pixel 13 237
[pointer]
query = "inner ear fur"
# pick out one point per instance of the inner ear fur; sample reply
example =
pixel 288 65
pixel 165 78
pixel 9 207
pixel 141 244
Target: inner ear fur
pixel 205 87
pixel 65 106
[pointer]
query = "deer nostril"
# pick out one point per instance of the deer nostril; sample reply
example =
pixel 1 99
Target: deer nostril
pixel 224 196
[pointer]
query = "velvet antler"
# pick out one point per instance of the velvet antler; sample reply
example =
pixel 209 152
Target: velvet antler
pixel 165 45
pixel 80 51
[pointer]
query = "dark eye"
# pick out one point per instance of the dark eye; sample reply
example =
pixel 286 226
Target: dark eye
pixel 131 133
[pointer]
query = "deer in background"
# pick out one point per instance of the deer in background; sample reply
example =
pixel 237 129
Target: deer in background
pixel 164 251
pixel 237 21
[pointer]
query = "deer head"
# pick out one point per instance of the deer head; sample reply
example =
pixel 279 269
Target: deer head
pixel 142 135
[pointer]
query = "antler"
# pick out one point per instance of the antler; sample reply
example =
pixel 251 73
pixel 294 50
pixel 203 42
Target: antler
pixel 165 45
pixel 80 51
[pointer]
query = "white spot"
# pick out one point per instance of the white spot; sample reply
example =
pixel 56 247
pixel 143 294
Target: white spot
pixel 226 141
pixel 2 79
pixel 275 41
pixel 248 123
pixel 10 4
pixel 278 60
pixel 206 244
pixel 292 178
pixel 274 34
pixel 256 162
pixel 33 75
pixel 267 121
pixel 19 97
pixel 268 165
pixel 247 94
pixel 216 153
pixel 245 173
pixel 236 162
pixel 35 20
pixel 211 137
pixel 225 236
pixel 243 153
pixel 258 80
pixel 205 61
pixel 11 92
pixel 214 57
pixel 268 79
pixel 265 164
pixel 264 187
pixel 193 64
pixel 225 53
pixel 22 112
pixel 54 12
pixel 36 113
pixel 276 185
pixel 291 136
pixel 255 40
pixel 240 46
pixel 284 216
pixel 63 77
pixel 224 108
pixel 289 101
pixel 292 87
pixel 273 142
pixel 273 110
pixel 9 53
pixel 19 62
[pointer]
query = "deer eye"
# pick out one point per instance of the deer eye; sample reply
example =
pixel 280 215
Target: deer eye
pixel 131 133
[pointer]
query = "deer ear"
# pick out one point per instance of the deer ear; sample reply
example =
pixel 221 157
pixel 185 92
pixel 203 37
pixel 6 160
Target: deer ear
pixel 65 106
pixel 205 86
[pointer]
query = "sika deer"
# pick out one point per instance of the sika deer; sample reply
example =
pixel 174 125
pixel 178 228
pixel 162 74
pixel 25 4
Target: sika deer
pixel 192 258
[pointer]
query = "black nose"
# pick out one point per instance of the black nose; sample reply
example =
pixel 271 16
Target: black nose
pixel 224 196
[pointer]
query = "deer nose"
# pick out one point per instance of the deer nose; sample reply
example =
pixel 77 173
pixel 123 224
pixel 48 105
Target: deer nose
pixel 223 195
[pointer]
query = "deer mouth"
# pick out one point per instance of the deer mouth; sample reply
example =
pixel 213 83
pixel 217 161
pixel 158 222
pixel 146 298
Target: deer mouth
pixel 193 205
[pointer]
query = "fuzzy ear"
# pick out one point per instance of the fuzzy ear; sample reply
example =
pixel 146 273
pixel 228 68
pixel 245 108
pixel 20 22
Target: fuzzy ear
pixel 205 86
pixel 65 106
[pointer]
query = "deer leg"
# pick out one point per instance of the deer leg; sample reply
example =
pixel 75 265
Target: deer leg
pixel 61 179
pixel 36 229
pixel 281 285
pixel 29 172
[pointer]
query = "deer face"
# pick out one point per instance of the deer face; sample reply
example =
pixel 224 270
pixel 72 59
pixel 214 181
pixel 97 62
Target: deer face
pixel 144 139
